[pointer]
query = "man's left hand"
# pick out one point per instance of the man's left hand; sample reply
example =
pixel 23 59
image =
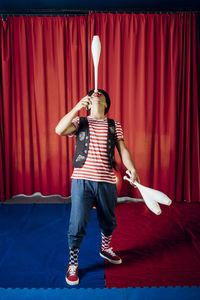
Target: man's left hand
pixel 134 176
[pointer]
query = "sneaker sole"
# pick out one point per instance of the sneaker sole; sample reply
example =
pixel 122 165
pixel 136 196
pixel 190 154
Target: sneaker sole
pixel 115 262
pixel 72 282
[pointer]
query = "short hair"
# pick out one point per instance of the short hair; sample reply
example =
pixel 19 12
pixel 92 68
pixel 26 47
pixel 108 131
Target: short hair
pixel 107 99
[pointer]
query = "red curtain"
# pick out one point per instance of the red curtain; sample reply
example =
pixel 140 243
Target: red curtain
pixel 148 65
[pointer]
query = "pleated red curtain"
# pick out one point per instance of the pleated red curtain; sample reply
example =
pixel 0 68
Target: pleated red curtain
pixel 148 65
pixel 43 73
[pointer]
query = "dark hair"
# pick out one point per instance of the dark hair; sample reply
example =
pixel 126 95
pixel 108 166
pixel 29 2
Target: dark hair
pixel 107 99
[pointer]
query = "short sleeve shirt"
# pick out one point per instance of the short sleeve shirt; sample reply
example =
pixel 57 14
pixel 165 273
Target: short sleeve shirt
pixel 97 165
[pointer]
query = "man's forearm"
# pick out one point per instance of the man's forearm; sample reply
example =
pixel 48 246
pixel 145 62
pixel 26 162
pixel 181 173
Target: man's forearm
pixel 127 159
pixel 65 125
pixel 66 121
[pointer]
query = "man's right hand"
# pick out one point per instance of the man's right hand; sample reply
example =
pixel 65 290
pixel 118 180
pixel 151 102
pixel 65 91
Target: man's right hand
pixel 65 126
pixel 84 102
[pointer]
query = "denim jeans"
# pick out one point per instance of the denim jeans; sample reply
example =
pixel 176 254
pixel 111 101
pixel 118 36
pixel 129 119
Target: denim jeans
pixel 85 194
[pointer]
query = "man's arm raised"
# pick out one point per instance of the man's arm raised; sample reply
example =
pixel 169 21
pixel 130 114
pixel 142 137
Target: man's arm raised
pixel 65 126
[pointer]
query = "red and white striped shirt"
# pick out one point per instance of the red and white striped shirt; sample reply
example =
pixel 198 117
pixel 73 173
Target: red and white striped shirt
pixel 97 166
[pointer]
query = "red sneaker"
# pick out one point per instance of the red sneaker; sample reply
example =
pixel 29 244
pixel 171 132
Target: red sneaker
pixel 72 275
pixel 110 256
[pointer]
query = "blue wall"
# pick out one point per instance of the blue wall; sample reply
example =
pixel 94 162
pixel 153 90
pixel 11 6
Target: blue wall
pixel 102 5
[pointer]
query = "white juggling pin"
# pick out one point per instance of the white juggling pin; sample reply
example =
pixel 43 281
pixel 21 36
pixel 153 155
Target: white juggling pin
pixel 150 203
pixel 151 197
pixel 96 50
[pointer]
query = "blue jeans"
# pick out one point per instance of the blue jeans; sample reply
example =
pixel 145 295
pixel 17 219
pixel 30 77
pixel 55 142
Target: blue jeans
pixel 85 194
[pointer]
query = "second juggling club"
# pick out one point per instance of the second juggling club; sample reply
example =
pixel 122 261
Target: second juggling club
pixel 151 196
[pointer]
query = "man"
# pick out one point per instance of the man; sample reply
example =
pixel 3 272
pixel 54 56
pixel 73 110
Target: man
pixel 93 179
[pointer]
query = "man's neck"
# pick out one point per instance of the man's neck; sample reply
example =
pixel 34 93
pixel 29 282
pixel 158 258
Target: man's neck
pixel 97 113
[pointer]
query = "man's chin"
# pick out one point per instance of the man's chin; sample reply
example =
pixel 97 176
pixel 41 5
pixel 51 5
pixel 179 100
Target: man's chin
pixel 96 100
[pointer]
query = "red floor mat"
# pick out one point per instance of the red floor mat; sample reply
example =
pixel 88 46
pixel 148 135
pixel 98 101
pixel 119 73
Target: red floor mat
pixel 156 250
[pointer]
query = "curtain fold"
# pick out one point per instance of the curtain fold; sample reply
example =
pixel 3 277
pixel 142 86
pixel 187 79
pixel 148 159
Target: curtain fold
pixel 148 65
pixel 43 75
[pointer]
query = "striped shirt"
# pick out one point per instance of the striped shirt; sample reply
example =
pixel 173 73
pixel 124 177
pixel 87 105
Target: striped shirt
pixel 97 166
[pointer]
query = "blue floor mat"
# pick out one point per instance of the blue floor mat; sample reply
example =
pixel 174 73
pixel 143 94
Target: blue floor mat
pixel 34 248
pixel 177 293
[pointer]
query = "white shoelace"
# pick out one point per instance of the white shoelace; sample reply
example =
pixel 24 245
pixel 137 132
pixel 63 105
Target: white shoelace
pixel 72 270
pixel 109 250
